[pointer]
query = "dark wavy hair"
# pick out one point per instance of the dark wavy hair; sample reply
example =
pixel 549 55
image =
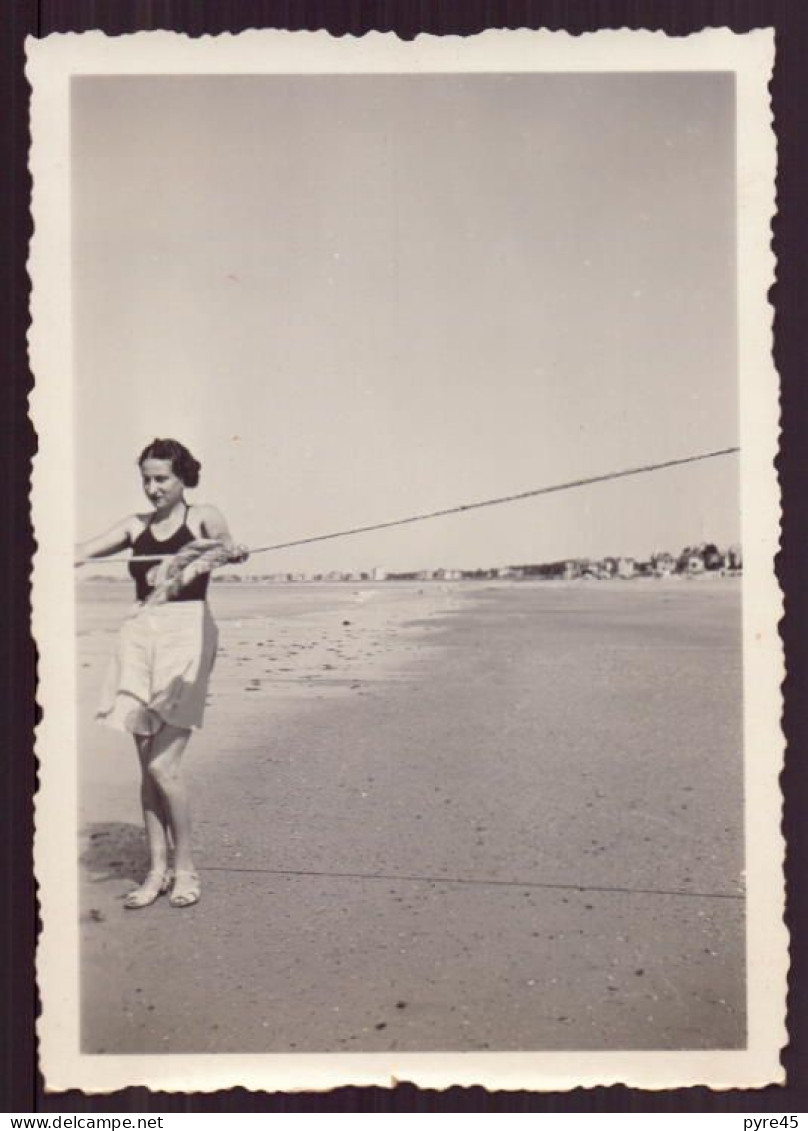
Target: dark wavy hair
pixel 183 464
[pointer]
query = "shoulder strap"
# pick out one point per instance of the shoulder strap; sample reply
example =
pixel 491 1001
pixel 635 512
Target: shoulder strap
pixel 146 527
pixel 187 524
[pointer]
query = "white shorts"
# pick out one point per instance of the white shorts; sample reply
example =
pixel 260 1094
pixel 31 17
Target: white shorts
pixel 161 667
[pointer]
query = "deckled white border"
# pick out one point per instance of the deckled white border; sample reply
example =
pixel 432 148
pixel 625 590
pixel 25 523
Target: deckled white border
pixel 51 63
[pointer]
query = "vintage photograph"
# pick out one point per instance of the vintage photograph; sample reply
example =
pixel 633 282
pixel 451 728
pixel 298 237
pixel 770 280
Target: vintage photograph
pixel 417 543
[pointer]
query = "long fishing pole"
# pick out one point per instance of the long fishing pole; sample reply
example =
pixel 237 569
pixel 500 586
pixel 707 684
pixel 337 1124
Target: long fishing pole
pixel 459 509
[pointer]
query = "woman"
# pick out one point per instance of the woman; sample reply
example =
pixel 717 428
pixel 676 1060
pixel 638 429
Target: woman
pixel 158 680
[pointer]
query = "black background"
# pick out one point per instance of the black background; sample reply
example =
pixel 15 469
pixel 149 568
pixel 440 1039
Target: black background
pixel 20 1085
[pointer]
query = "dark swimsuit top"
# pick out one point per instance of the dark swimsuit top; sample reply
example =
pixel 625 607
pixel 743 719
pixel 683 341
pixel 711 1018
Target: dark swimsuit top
pixel 146 543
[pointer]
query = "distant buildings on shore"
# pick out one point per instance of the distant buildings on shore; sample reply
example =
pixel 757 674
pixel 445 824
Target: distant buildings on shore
pixel 691 561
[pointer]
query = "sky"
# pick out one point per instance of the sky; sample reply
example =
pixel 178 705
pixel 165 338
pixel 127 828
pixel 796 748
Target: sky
pixel 357 298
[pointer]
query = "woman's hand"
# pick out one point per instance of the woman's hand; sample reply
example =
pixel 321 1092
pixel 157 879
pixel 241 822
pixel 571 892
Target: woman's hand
pixel 238 554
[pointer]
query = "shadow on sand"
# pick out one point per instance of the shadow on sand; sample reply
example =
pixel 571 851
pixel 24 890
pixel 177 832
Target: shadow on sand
pixel 113 850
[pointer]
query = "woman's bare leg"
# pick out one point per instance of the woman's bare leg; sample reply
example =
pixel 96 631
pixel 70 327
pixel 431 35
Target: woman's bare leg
pixel 164 769
pixel 155 817
pixel 156 823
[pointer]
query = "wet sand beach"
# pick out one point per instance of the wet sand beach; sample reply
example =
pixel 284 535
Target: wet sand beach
pixel 433 817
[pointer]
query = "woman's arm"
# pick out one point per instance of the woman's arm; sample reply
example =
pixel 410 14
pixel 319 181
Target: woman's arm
pixel 214 525
pixel 119 537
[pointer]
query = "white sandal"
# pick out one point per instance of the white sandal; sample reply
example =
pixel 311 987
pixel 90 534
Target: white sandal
pixel 156 884
pixel 187 889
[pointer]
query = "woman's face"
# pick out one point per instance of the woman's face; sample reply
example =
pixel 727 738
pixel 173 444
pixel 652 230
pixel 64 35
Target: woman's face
pixel 163 488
